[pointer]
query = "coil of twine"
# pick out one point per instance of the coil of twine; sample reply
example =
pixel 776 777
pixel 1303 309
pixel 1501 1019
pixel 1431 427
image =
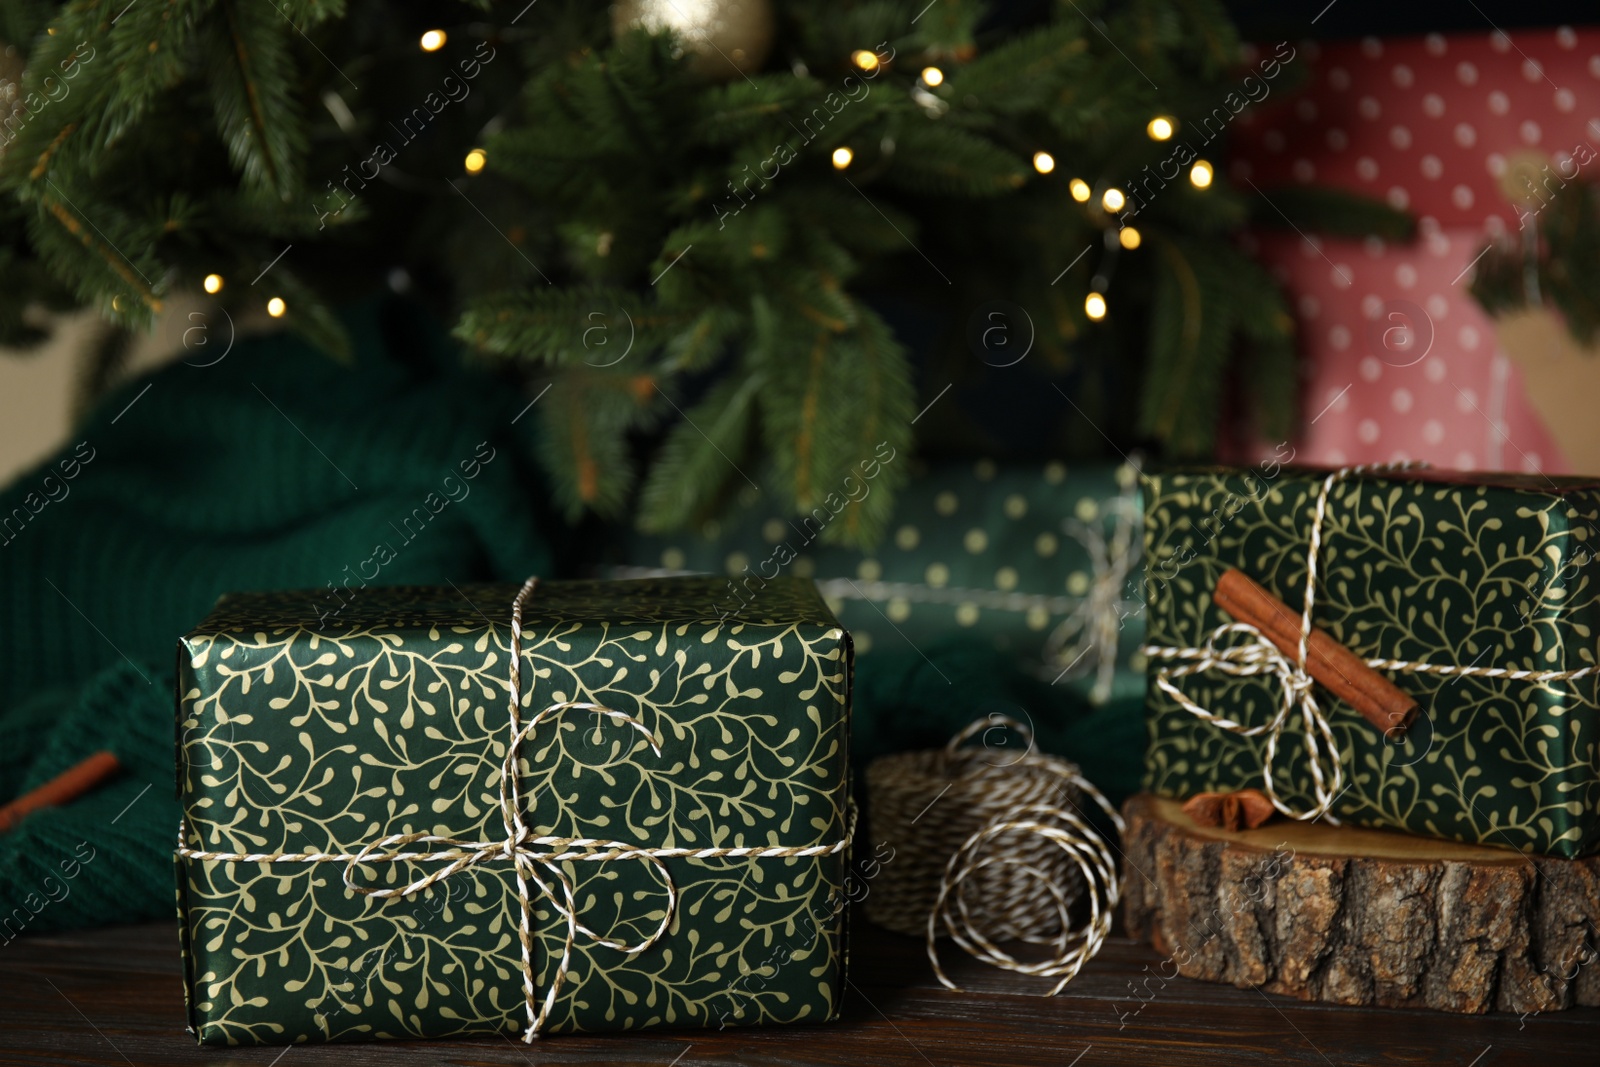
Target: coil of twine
pixel 991 846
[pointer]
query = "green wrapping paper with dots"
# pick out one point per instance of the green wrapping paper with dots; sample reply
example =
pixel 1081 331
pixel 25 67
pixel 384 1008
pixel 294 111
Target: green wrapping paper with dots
pixel 321 755
pixel 1039 561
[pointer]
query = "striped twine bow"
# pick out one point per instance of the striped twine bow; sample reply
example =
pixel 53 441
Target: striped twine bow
pixel 1256 655
pixel 535 857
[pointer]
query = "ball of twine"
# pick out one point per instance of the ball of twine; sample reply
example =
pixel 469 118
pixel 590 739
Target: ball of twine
pixel 991 846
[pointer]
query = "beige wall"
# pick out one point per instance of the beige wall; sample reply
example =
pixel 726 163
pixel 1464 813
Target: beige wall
pixel 36 394
pixel 39 388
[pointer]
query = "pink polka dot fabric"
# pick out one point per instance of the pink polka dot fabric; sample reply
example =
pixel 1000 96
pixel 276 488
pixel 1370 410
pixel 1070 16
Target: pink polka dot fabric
pixel 1401 363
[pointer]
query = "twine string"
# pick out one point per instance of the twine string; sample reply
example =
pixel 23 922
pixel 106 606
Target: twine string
pixel 535 857
pixel 1083 845
pixel 1255 655
pixel 1029 850
pixel 1088 636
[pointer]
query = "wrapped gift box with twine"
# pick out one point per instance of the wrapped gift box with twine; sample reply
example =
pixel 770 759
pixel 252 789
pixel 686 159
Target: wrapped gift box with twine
pixel 571 807
pixel 1383 645
pixel 1035 560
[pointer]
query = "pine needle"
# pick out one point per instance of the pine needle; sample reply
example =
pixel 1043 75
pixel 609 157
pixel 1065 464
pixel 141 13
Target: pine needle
pixel 113 259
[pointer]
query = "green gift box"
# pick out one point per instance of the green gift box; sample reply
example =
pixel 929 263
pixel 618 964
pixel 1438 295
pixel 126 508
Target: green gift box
pixel 1036 560
pixel 665 845
pixel 1479 596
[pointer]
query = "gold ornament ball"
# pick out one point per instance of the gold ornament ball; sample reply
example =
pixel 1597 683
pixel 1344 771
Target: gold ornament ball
pixel 726 38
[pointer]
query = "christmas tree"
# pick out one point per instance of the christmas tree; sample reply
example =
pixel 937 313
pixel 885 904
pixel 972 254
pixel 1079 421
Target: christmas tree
pixel 682 222
pixel 1552 258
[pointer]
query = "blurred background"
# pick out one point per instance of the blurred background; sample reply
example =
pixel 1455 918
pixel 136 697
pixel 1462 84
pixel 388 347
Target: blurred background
pixel 1422 106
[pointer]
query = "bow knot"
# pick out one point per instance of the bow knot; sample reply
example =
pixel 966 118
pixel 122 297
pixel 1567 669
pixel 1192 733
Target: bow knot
pixel 1089 634
pixel 1254 656
pixel 535 857
pixel 1257 655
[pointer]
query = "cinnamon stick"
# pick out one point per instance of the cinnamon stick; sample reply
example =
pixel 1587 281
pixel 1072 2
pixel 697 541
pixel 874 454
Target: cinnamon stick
pixel 1339 670
pixel 1243 809
pixel 69 785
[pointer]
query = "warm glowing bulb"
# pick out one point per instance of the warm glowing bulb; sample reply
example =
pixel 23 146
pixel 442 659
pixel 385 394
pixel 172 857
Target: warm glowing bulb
pixel 1044 162
pixel 276 307
pixel 932 77
pixel 1094 306
pixel 475 160
pixel 1113 199
pixel 1201 174
pixel 864 59
pixel 842 157
pixel 1129 237
pixel 213 283
pixel 1159 128
pixel 1080 190
pixel 433 40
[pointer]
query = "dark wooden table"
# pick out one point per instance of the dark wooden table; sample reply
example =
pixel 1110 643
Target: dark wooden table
pixel 113 997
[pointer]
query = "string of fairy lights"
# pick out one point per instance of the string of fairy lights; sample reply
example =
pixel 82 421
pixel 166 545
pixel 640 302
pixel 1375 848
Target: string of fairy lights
pixel 277 307
pixel 1112 198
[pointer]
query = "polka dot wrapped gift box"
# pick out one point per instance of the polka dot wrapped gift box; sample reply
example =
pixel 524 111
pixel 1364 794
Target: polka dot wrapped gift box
pixel 380 840
pixel 1472 133
pixel 1038 560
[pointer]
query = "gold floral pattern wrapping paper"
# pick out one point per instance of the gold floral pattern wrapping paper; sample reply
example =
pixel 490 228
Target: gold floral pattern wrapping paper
pixel 1414 566
pixel 303 729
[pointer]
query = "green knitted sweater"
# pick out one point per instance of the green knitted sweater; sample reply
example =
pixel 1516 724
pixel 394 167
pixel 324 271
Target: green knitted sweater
pixel 275 467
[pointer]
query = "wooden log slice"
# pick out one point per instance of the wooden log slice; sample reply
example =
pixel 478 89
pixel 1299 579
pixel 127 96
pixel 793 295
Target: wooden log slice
pixel 1354 916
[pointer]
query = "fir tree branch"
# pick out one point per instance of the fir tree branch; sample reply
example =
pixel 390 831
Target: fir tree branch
pixel 546 325
pixel 1173 361
pixel 310 316
pixel 150 50
pixel 696 347
pixel 1208 21
pixel 255 109
pixel 582 439
pixel 744 110
pixel 88 236
pixel 948 25
pixel 42 164
pixel 805 430
pixel 949 160
pixel 886 400
pixel 1020 74
pixel 697 461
